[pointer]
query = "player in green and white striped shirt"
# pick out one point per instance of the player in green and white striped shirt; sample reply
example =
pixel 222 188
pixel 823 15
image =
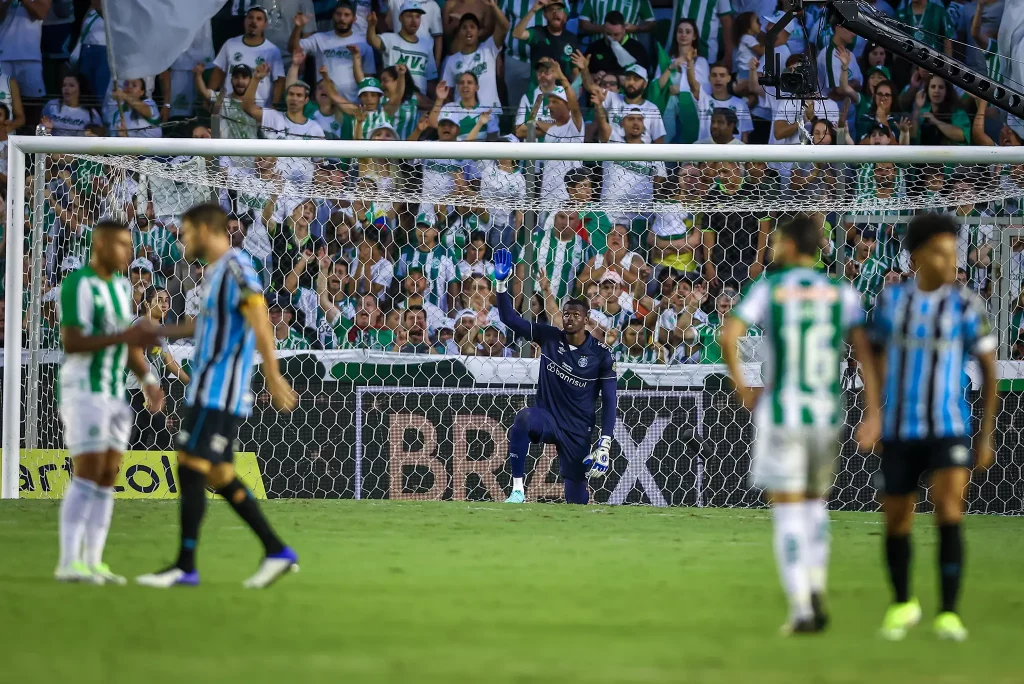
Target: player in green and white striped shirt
pixel 99 344
pixel 807 318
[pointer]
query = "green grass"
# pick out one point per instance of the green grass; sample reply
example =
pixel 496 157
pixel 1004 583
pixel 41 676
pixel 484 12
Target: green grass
pixel 482 593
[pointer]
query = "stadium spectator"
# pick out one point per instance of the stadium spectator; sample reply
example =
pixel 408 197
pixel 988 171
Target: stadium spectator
pixel 637 16
pixel 432 257
pixel 10 99
pixel 938 118
pixel 719 97
pixel 635 345
pixel 879 111
pixel 467 109
pixel 67 116
pixel 551 41
pixel 279 29
pixel 478 54
pixel 411 335
pixel 740 239
pixel 333 48
pixel 616 258
pixel 560 252
pixel 616 106
pixel 136 114
pixel 566 127
pixel 294 249
pixel 533 106
pixel 616 49
pixel 502 184
pixel 687 70
pixel 158 245
pixel 282 318
pixel 713 20
pixel 633 181
pixel 789 118
pixel 252 49
pixel 292 125
pixel 21 56
pixel 930 23
pixel 89 55
pixel 406 46
pixel 416 292
pixel 519 65
pixel 431 25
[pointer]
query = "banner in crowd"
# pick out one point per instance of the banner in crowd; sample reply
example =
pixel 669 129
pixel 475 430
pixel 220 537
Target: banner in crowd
pixel 146 36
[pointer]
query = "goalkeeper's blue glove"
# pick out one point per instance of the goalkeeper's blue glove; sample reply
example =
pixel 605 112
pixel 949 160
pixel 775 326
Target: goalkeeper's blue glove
pixel 502 269
pixel 598 461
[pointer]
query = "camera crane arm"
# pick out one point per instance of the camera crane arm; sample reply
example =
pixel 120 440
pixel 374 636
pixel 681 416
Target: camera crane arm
pixel 848 13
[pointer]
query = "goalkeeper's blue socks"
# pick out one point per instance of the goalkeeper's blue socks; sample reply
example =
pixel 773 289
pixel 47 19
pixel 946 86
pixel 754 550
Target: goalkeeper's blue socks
pixel 519 444
pixel 576 492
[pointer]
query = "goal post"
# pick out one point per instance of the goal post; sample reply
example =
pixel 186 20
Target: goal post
pixel 371 409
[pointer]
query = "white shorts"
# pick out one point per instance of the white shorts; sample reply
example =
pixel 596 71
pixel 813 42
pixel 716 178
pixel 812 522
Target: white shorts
pixel 95 423
pixel 794 460
pixel 28 74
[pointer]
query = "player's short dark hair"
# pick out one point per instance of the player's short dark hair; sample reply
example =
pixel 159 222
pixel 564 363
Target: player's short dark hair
pixel 110 224
pixel 804 232
pixel 926 226
pixel 576 301
pixel 615 18
pixel 469 17
pixel 208 214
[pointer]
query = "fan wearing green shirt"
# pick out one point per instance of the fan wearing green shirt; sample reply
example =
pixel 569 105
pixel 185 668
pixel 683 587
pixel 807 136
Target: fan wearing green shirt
pixel 282 314
pixel 638 15
pixel 929 23
pixel 938 118
pixel 553 40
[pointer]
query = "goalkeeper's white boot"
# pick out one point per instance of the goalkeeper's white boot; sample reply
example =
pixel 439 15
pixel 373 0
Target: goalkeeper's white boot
pixel 517 496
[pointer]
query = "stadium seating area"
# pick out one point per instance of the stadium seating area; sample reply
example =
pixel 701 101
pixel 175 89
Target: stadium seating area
pixel 394 276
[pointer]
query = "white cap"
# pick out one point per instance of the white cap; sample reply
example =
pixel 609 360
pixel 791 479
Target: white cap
pixel 638 70
pixel 559 92
pixel 142 263
pixel 410 6
pixel 71 263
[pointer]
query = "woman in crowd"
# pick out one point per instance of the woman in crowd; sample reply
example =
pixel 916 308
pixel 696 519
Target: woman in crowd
pixel 878 111
pixel 466 109
pixel 682 51
pixel 66 115
pixel 938 118
pixel 137 115
pixel 401 100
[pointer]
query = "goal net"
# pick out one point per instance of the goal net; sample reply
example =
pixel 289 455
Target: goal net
pixel 376 259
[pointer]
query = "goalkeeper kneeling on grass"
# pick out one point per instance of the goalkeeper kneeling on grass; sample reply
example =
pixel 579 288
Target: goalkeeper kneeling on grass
pixel 574 369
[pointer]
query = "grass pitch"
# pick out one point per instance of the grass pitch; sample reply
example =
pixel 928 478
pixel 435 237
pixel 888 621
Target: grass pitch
pixel 486 593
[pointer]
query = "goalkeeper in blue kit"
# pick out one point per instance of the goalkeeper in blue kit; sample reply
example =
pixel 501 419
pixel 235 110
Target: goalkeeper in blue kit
pixel 574 369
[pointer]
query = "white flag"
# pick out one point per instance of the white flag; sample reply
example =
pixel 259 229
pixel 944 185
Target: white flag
pixel 1011 42
pixel 146 36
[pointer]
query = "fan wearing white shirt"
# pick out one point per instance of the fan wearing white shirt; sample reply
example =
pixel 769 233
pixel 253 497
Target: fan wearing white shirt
pixel 430 24
pixel 566 127
pixel 407 46
pixel 67 116
pixel 21 31
pixel 627 181
pixel 332 48
pixel 718 98
pixel 251 49
pixel 479 58
pixel 292 125
pixel 634 84
pixel 136 116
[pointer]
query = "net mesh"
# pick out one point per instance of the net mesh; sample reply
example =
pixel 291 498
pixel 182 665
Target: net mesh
pixel 380 281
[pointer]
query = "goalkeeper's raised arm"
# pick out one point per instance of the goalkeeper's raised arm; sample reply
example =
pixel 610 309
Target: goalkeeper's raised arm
pixel 503 269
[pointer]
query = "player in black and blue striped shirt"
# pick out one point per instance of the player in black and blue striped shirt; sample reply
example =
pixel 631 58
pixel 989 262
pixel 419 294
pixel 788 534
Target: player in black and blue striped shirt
pixel 925 331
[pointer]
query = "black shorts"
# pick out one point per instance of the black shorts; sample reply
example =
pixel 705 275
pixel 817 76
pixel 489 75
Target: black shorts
pixel 904 462
pixel 208 434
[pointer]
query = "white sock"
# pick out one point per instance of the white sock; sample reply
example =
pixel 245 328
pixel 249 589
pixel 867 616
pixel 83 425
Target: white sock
pixel 517 483
pixel 74 512
pixel 790 536
pixel 98 524
pixel 819 539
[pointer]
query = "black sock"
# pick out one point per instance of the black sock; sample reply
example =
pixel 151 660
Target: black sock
pixel 241 499
pixel 193 507
pixel 897 556
pixel 951 564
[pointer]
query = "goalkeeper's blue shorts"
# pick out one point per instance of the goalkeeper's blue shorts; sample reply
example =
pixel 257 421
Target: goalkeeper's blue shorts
pixel 572 449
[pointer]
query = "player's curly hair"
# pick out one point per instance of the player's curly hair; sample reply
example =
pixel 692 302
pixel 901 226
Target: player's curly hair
pixel 926 226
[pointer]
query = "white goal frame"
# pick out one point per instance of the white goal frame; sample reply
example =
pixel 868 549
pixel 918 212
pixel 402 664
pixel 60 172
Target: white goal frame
pixel 20 146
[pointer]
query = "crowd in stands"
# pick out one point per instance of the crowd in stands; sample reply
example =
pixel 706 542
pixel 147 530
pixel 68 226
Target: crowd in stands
pixel 391 276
